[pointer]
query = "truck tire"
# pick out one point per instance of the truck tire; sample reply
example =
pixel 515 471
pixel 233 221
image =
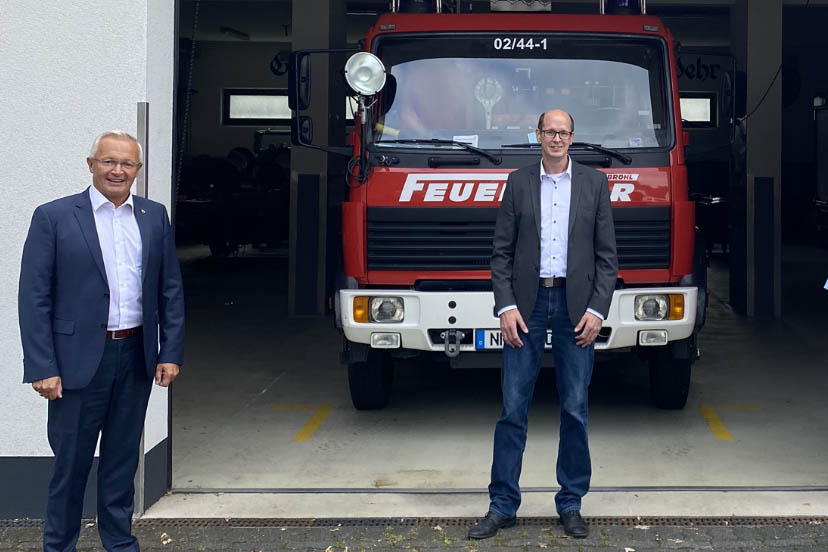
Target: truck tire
pixel 371 380
pixel 669 379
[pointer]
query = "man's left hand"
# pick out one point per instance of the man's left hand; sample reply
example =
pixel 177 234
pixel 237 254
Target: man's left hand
pixel 589 326
pixel 165 373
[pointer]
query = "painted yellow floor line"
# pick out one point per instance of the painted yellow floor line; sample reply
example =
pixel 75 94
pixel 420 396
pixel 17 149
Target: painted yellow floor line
pixel 716 424
pixel 312 424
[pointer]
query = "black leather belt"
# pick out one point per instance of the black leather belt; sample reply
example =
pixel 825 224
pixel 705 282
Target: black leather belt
pixel 553 282
pixel 123 334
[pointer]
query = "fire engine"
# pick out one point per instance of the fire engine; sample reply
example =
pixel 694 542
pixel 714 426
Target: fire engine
pixel 448 104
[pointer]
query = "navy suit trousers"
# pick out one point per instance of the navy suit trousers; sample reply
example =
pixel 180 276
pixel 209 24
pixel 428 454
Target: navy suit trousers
pixel 113 406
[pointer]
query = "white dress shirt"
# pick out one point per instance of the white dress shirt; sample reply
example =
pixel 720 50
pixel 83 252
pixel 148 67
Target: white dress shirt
pixel 555 196
pixel 121 248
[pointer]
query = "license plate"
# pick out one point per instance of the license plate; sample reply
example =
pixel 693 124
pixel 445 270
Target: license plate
pixel 493 339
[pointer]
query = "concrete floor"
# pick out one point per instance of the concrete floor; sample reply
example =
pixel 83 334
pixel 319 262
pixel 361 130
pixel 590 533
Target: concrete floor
pixel 263 405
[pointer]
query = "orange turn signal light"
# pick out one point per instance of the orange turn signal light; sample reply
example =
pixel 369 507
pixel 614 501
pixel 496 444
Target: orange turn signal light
pixel 361 309
pixel 676 307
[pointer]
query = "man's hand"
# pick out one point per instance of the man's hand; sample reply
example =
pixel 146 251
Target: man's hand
pixel 49 388
pixel 165 373
pixel 510 321
pixel 589 326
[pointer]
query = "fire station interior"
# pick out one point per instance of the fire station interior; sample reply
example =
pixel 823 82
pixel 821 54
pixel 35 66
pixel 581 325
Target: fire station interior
pixel 263 404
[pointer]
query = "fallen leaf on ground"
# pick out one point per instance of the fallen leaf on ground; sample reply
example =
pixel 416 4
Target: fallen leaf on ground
pixel 165 538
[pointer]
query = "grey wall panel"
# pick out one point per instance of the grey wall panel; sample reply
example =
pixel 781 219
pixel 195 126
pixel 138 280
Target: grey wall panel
pixel 24 482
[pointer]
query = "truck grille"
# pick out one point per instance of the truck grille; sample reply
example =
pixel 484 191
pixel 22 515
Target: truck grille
pixel 422 238
pixel 642 237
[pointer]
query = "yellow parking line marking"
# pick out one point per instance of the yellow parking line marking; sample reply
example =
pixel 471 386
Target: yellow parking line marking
pixel 716 424
pixel 312 424
pixel 738 407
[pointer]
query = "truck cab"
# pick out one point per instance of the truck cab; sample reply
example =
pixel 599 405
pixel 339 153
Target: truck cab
pixel 449 104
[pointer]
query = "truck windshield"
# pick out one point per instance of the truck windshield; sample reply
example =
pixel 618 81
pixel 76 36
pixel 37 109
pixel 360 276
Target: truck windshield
pixel 488 90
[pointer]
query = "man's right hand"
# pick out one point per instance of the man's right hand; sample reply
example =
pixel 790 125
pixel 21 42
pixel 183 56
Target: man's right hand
pixel 49 388
pixel 510 321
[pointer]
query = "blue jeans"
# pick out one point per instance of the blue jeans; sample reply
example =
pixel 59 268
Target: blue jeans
pixel 573 370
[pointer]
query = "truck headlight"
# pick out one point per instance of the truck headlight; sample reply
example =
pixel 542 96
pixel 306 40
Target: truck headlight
pixel 378 309
pixel 387 309
pixel 659 307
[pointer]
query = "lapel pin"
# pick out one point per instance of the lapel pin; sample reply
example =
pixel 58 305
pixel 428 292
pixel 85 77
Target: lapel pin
pixel 143 212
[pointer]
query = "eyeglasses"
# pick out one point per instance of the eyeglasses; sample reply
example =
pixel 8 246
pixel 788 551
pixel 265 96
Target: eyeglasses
pixel 564 134
pixel 111 163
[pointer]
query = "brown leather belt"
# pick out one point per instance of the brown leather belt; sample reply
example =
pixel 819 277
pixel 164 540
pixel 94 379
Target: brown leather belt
pixel 553 282
pixel 123 334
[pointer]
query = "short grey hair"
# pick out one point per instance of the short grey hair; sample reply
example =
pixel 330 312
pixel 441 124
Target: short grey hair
pixel 116 134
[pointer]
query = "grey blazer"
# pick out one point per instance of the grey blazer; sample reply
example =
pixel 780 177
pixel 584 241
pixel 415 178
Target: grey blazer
pixel 592 263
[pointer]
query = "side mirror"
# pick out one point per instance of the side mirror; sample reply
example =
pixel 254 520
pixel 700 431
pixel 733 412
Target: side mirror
pixel 299 81
pixel 388 94
pixel 301 131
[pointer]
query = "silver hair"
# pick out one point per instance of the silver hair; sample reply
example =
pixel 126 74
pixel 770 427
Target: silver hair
pixel 116 134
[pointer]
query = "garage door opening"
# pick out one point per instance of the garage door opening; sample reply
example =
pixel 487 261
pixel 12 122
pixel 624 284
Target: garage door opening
pixel 263 402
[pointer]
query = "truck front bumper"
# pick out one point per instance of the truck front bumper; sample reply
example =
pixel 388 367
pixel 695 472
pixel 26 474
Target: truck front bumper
pixel 429 316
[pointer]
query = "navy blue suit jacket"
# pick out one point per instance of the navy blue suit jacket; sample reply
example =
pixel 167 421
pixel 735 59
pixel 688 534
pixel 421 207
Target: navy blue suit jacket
pixel 63 300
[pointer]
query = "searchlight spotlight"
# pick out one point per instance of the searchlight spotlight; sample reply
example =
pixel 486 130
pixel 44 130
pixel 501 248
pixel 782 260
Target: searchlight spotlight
pixel 365 73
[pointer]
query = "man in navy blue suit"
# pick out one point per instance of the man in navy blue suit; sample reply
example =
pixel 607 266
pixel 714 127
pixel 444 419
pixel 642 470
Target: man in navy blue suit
pixel 101 310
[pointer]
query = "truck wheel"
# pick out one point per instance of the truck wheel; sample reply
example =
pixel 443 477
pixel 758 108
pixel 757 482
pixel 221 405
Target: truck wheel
pixel 669 379
pixel 371 381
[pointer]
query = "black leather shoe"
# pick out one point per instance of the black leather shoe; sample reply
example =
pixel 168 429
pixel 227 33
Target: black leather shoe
pixel 489 525
pixel 574 525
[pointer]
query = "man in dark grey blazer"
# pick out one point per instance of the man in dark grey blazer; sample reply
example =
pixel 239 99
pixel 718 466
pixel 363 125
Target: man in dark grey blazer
pixel 554 267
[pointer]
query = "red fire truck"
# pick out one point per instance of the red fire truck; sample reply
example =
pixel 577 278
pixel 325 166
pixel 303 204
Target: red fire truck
pixel 448 106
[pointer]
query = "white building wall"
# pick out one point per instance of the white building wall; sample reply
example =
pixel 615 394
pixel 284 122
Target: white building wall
pixel 71 69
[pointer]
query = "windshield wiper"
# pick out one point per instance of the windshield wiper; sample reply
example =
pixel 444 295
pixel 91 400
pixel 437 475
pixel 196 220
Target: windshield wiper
pixel 468 147
pixel 626 159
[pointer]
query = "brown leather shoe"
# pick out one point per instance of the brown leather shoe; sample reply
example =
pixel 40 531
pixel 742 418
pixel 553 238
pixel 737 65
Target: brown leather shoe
pixel 489 526
pixel 574 525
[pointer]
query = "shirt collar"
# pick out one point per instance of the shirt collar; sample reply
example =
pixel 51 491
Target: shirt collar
pixel 98 199
pixel 568 170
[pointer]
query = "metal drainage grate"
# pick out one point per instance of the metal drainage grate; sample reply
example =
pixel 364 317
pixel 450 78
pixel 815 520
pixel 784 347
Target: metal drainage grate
pixel 24 522
pixel 464 522
pixel 450 522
